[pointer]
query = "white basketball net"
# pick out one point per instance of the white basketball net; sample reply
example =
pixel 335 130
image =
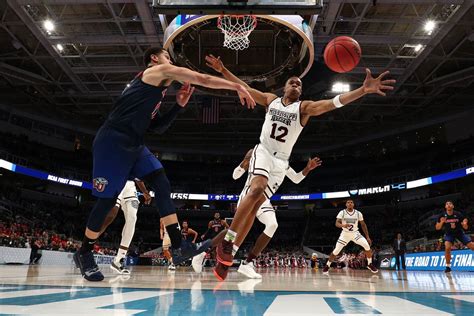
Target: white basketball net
pixel 236 29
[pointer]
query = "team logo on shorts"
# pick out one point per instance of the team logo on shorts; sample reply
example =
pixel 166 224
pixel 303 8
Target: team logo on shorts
pixel 99 184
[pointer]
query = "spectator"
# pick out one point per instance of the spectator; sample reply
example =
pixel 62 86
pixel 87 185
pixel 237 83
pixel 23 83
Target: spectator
pixel 400 248
pixel 35 254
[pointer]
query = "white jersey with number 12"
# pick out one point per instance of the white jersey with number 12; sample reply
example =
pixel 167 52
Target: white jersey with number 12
pixel 282 126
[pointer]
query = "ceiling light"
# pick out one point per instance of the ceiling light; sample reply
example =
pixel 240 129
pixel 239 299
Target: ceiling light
pixel 60 47
pixel 418 48
pixel 340 87
pixel 48 25
pixel 429 26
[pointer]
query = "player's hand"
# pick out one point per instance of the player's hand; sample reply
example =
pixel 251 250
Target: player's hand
pixel 245 97
pixel 377 85
pixel 345 225
pixel 313 163
pixel 214 63
pixel 369 241
pixel 147 198
pixel 442 220
pixel 183 94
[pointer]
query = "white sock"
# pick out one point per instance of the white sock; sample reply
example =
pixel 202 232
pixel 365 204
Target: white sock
pixel 369 260
pixel 120 254
pixel 235 248
pixel 230 236
pixel 448 265
pixel 328 263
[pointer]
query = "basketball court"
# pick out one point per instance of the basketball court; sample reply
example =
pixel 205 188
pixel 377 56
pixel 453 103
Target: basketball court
pixel 240 35
pixel 53 290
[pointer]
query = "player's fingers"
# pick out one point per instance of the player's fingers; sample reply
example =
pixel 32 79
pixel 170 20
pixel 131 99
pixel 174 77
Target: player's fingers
pixel 381 93
pixel 192 90
pixel 211 56
pixel 383 74
pixel 188 88
pixel 386 87
pixel 250 103
pixel 368 72
pixel 390 81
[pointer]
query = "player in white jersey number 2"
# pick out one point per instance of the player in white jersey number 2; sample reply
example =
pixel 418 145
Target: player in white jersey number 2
pixel 285 119
pixel 349 219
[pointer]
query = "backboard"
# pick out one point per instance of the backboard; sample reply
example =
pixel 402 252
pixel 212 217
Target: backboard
pixel 274 7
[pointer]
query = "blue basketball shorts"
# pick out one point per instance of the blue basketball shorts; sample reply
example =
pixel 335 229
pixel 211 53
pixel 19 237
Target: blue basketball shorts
pixel 462 237
pixel 117 158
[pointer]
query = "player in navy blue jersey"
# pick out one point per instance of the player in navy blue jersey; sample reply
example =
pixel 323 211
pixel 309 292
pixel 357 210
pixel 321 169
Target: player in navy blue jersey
pixel 119 153
pixel 454 223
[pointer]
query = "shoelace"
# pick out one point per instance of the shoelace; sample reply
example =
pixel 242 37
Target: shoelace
pixel 92 271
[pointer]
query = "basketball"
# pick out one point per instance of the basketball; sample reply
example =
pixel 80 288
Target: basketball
pixel 342 54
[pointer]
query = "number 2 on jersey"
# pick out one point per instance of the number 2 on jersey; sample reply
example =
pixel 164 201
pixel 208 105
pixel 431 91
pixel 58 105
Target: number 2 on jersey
pixel 280 137
pixel 350 227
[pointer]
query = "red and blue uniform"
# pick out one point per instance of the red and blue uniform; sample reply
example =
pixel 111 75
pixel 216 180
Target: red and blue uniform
pixel 119 153
pixel 453 229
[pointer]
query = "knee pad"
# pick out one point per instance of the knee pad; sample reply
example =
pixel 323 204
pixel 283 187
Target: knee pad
pixel 161 185
pixel 130 210
pixel 100 210
pixel 271 229
pixel 270 222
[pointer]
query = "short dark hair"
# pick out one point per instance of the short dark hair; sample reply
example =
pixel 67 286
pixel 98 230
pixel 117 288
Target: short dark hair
pixel 155 50
pixel 449 201
pixel 350 200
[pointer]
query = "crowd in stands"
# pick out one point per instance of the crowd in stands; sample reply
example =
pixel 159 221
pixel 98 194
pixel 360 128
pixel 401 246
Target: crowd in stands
pixel 21 235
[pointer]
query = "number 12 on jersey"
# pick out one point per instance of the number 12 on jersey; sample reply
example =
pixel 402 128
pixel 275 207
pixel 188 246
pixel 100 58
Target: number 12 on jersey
pixel 281 136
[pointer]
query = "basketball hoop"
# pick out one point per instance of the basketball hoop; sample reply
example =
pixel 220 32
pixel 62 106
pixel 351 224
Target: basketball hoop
pixel 236 29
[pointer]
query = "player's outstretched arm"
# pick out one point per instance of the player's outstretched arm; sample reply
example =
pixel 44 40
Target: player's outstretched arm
pixel 157 74
pixel 262 98
pixel 298 177
pixel 371 85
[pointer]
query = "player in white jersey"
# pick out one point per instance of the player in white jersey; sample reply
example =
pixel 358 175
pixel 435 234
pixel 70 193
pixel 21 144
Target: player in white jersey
pixel 166 245
pixel 349 219
pixel 128 202
pixel 266 213
pixel 285 119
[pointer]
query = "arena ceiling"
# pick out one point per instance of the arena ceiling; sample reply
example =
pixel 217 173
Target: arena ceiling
pixel 102 43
